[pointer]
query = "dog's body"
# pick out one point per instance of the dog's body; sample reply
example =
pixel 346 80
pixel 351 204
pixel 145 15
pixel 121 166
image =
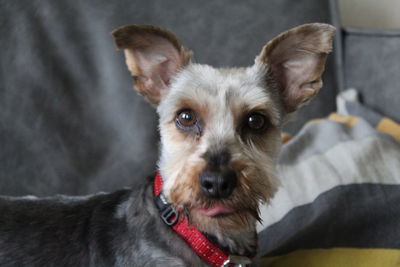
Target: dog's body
pixel 107 229
pixel 220 137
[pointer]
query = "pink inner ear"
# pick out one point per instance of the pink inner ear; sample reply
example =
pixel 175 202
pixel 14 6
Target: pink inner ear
pixel 158 62
pixel 297 59
pixel 296 77
pixel 154 62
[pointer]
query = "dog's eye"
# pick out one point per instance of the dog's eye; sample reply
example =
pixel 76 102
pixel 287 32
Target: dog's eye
pixel 186 119
pixel 256 122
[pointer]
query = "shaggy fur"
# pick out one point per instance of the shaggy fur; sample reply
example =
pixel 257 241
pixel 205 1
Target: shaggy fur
pixel 123 228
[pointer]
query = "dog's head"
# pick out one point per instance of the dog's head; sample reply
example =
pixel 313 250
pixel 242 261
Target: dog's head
pixel 220 128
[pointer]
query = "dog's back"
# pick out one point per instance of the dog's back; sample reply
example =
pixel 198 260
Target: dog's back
pixel 59 231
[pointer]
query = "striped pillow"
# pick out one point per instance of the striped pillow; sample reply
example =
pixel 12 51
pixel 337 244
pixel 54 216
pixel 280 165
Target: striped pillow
pixel 339 203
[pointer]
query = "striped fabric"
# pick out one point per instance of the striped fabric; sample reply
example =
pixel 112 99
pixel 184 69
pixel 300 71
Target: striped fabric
pixel 339 203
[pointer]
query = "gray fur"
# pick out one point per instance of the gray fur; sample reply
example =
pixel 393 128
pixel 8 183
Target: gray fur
pixel 113 229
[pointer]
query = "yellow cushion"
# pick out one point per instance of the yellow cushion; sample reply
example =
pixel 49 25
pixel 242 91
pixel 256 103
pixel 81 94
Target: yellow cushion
pixel 336 257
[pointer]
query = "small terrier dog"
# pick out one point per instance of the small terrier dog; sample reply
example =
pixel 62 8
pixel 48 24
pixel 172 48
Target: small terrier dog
pixel 220 137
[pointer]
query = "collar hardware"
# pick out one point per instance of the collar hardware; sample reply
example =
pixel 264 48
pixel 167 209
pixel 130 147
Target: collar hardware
pixel 170 216
pixel 236 261
pixel 167 213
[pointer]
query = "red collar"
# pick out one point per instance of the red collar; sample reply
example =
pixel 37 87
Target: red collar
pixel 206 250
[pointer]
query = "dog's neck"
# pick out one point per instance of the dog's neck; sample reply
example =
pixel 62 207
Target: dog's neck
pixel 236 241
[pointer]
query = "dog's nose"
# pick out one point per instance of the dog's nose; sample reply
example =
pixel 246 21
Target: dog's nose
pixel 218 184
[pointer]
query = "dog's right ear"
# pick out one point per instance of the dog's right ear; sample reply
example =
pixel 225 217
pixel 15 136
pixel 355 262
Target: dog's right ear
pixel 153 56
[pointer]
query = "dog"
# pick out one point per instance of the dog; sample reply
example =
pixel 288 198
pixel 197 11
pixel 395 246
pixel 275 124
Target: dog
pixel 220 137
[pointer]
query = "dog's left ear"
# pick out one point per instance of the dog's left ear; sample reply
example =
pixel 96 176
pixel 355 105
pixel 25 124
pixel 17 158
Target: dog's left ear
pixel 296 61
pixel 153 56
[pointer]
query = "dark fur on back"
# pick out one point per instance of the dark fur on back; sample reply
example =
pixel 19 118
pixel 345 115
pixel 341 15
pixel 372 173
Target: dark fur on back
pixel 113 229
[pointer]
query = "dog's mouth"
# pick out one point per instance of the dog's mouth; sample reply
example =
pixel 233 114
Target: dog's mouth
pixel 215 210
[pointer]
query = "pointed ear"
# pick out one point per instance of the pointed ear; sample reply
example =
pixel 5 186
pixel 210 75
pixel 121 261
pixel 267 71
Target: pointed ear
pixel 296 61
pixel 153 56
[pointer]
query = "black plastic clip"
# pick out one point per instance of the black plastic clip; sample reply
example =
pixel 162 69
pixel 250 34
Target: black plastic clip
pixel 167 213
pixel 170 216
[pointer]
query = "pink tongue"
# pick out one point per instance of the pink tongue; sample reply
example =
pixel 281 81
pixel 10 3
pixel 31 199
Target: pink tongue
pixel 216 209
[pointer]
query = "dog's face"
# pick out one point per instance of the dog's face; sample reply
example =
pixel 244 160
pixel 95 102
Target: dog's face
pixel 220 128
pixel 219 142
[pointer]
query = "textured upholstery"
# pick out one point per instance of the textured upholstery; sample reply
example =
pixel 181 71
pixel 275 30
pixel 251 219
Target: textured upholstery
pixel 69 120
pixel 372 67
pixel 368 60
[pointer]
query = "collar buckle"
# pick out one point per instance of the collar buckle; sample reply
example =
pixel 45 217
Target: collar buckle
pixel 167 213
pixel 169 216
pixel 236 261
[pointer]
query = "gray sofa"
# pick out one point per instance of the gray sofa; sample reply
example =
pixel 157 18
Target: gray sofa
pixel 369 61
pixel 69 120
